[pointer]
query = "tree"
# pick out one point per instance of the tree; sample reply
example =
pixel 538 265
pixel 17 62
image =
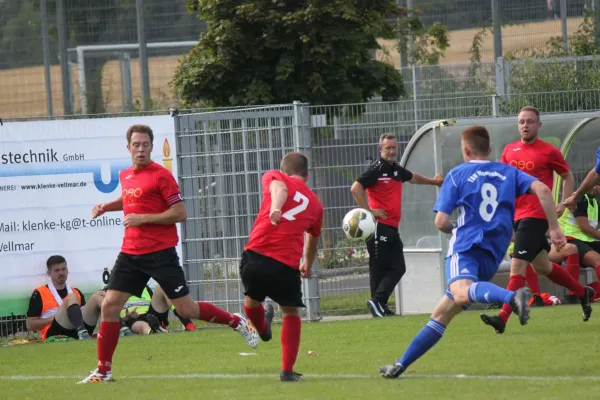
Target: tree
pixel 277 51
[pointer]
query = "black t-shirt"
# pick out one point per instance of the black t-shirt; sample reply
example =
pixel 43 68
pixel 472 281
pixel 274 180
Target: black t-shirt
pixel 379 169
pixel 582 207
pixel 35 301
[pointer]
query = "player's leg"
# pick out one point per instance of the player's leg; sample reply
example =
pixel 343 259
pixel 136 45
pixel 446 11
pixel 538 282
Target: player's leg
pixel 70 317
pixel 91 310
pixel 561 277
pixel 527 237
pixel 378 265
pixel 144 324
pixel 394 253
pixel 290 343
pixel 533 282
pixel 125 279
pixel 164 268
pixel 159 306
pixel 571 253
pixel 257 274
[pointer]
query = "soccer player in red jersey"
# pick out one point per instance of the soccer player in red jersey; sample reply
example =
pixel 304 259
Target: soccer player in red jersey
pixel 152 205
pixel 289 220
pixel 541 160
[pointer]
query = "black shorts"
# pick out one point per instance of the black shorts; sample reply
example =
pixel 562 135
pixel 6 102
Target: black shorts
pixel 57 329
pixel 132 272
pixel 585 247
pixel 265 277
pixel 141 318
pixel 530 238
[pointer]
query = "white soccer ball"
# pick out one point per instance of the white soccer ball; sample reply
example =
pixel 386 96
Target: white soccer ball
pixel 359 224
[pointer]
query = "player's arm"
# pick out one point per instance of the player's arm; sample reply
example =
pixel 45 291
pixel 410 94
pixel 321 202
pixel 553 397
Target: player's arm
pixel 442 222
pixel 568 185
pixel 592 179
pixel 35 322
pixel 358 188
pixel 176 213
pixel 279 194
pixel 311 241
pixel 446 203
pixel 419 179
pixel 115 205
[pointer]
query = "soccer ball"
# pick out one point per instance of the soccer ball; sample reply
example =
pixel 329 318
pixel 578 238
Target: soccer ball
pixel 359 224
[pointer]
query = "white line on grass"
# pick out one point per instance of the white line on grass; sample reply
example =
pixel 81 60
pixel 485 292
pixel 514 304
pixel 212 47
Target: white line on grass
pixel 313 376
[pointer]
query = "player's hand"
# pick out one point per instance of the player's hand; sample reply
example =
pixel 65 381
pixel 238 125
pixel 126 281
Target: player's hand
pixel 132 220
pixel 558 238
pixel 379 213
pixel 98 210
pixel 560 209
pixel 275 217
pixel 438 179
pixel 570 202
pixel 305 270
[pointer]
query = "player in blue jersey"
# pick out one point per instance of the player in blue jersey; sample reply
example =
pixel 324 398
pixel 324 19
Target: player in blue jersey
pixel 485 193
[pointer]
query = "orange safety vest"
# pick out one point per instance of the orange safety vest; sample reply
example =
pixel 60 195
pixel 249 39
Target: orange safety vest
pixel 50 305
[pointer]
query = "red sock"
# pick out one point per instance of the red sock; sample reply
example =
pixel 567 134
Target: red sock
pixel 573 268
pixel 560 276
pixel 290 341
pixel 108 337
pixel 515 283
pixel 532 280
pixel 210 313
pixel 257 317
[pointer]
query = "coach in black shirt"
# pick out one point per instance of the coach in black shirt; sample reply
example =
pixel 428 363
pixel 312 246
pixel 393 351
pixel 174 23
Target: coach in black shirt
pixel 383 184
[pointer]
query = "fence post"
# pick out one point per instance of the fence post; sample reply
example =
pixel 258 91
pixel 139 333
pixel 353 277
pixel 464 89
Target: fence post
pixel 497 27
pixel 310 286
pixel 416 81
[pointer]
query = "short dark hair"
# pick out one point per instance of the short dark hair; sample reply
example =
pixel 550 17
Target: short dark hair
pixel 55 260
pixel 531 109
pixel 478 139
pixel 139 128
pixel 387 136
pixel 295 164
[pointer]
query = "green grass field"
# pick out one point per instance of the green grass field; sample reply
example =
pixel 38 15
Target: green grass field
pixel 556 356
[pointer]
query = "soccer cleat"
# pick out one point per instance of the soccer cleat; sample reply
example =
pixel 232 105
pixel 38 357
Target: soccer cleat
pixel 154 323
pixel 248 331
pixel 386 311
pixel 495 322
pixel 536 301
pixel 163 328
pixel 375 308
pixel 520 305
pixel 125 331
pixel 83 334
pixel 586 303
pixel 268 333
pixel 97 377
pixel 190 327
pixel 391 371
pixel 290 376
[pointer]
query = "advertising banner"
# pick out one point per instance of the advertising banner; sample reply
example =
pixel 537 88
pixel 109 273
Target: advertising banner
pixel 51 175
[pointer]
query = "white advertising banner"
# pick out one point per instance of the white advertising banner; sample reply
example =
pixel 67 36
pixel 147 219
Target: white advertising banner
pixel 51 175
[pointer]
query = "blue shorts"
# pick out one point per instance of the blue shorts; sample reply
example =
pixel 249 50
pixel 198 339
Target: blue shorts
pixel 475 264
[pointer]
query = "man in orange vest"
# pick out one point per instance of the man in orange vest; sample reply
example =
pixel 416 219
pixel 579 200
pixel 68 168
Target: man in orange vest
pixel 57 309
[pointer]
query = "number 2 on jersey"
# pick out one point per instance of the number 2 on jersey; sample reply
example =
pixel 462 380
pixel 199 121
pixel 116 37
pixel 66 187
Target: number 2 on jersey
pixel 489 203
pixel 298 198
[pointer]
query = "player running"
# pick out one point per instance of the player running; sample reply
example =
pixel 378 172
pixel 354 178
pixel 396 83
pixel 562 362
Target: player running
pixel 541 160
pixel 485 193
pixel 270 266
pixel 152 205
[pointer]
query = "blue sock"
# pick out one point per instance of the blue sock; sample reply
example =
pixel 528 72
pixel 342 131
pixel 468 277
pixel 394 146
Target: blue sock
pixel 486 292
pixel 425 339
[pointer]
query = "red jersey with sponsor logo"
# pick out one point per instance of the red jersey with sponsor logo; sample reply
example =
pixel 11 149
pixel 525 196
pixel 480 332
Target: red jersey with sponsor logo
pixel 383 183
pixel 148 190
pixel 539 159
pixel 302 212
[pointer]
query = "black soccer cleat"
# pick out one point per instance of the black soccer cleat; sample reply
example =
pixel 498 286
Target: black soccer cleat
pixel 495 322
pixel 268 333
pixel 391 371
pixel 586 303
pixel 537 301
pixel 83 334
pixel 520 305
pixel 290 376
pixel 154 323
pixel 375 308
pixel 386 311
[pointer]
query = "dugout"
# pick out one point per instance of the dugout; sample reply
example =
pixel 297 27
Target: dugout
pixel 435 148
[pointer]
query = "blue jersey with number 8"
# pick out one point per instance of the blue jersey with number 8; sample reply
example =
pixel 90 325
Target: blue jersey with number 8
pixel 484 193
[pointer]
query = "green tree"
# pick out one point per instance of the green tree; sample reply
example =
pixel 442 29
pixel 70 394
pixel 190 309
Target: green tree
pixel 277 51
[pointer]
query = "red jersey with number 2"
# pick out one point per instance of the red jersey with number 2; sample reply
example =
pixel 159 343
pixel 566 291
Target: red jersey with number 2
pixel 540 160
pixel 301 212
pixel 148 190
